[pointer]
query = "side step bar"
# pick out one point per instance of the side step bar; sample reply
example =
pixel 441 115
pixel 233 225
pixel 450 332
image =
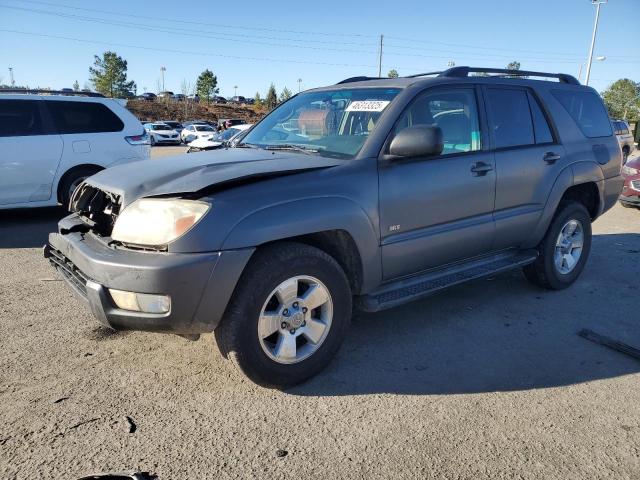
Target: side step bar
pixel 409 289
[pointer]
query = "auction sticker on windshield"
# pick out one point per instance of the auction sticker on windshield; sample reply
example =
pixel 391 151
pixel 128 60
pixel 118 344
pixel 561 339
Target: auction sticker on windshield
pixel 367 106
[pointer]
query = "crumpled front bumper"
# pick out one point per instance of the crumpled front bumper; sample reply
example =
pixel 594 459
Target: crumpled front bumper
pixel 199 284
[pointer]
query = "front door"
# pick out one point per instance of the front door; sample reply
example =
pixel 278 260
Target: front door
pixel 438 210
pixel 29 154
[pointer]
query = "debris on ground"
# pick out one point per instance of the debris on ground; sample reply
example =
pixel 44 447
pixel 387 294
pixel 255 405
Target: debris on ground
pixel 610 343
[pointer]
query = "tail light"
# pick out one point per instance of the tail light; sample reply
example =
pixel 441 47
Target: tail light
pixel 139 139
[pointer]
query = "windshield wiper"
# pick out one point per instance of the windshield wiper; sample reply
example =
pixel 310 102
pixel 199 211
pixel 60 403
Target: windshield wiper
pixel 291 146
pixel 246 145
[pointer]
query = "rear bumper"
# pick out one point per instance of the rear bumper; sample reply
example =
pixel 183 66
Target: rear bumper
pixel 199 284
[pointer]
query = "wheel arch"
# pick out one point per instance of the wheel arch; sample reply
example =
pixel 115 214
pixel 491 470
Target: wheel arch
pixel 71 171
pixel 336 225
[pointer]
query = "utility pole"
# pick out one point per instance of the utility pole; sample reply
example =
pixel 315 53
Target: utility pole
pixel 380 57
pixel 299 85
pixel 597 3
pixel 235 90
pixel 162 70
pixel 13 82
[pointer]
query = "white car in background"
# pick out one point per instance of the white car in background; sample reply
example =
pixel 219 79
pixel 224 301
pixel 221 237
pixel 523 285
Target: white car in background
pixel 162 134
pixel 229 137
pixel 195 131
pixel 50 143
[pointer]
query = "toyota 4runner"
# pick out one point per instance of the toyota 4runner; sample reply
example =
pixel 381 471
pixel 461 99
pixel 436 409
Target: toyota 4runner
pixel 369 194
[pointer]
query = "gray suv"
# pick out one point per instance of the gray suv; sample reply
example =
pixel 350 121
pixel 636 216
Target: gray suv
pixel 366 194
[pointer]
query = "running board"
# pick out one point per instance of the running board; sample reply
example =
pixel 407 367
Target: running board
pixel 409 289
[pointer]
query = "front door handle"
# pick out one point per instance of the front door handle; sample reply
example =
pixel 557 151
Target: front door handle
pixel 480 168
pixel 551 157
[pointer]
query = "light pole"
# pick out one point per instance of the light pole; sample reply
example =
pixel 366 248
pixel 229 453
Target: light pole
pixel 13 82
pixel 235 90
pixel 299 85
pixel 600 58
pixel 597 3
pixel 162 70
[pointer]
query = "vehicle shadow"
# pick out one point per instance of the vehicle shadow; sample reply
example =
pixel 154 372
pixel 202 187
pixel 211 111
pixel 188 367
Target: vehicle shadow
pixel 28 227
pixel 499 334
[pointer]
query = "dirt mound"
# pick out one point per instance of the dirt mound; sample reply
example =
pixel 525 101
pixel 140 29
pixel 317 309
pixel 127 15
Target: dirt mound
pixel 159 109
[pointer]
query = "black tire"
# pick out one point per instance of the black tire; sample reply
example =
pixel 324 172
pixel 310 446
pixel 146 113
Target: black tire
pixel 626 151
pixel 71 180
pixel 153 140
pixel 543 272
pixel 237 334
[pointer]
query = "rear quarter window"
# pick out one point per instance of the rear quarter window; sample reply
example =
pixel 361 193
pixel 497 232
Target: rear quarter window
pixel 587 110
pixel 83 117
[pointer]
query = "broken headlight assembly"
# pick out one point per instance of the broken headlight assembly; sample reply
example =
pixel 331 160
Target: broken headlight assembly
pixel 152 222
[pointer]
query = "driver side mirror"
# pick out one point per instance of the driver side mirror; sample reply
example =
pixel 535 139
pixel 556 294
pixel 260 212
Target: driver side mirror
pixel 417 141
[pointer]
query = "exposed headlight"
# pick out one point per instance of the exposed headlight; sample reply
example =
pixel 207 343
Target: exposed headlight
pixel 627 170
pixel 156 222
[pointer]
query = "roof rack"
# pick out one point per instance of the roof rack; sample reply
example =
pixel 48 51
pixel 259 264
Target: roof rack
pixel 358 79
pixel 465 71
pixel 50 92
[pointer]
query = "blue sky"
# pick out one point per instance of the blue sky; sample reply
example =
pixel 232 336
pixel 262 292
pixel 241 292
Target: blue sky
pixel 253 43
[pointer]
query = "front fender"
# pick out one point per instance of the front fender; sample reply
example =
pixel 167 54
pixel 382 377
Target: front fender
pixel 311 215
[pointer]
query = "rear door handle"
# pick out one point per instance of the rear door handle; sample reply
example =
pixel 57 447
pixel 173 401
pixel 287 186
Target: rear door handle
pixel 480 168
pixel 551 157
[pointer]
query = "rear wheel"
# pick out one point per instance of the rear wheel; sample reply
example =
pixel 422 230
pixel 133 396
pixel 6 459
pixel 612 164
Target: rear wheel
pixel 625 154
pixel 288 316
pixel 153 140
pixel 71 180
pixel 564 249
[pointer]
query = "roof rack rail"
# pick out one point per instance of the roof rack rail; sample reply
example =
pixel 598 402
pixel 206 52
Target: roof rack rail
pixel 50 92
pixel 465 71
pixel 358 79
pixel 415 75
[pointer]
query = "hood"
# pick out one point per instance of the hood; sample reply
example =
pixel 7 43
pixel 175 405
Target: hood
pixel 204 143
pixel 188 173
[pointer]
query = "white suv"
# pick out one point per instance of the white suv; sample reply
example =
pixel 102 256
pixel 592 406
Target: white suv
pixel 50 143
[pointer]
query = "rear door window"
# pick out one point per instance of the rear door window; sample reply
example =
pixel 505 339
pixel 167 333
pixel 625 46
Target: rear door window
pixel 83 117
pixel 541 127
pixel 510 117
pixel 587 110
pixel 20 118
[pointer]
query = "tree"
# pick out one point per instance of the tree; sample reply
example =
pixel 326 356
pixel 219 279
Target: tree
pixel 393 73
pixel 109 75
pixel 76 86
pixel 622 99
pixel 272 97
pixel 207 85
pixel 515 65
pixel 285 95
pixel 257 100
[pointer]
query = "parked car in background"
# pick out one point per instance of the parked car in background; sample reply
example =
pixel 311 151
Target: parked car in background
pixel 148 96
pixel 162 134
pixel 177 126
pixel 194 97
pixel 178 97
pixel 230 122
pixel 625 138
pixel 238 99
pixel 226 138
pixel 220 100
pixel 165 94
pixel 250 101
pixel 630 196
pixel 195 131
pixel 51 143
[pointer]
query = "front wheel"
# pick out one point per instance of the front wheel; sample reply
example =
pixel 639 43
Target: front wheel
pixel 288 316
pixel 564 250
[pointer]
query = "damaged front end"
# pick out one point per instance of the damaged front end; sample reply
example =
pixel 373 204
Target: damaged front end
pixel 97 208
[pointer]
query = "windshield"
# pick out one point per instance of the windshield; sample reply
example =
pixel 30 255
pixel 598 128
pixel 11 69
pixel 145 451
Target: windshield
pixel 160 126
pixel 204 128
pixel 332 123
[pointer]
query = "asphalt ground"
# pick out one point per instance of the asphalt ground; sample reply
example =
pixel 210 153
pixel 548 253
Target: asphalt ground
pixel 486 380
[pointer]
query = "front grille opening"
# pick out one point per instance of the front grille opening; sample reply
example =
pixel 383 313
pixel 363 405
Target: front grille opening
pixel 66 267
pixel 97 208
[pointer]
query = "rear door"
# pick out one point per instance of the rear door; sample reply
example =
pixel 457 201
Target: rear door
pixel 29 152
pixel 437 210
pixel 528 160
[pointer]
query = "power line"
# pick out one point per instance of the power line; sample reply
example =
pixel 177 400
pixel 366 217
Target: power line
pixel 185 52
pixel 191 22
